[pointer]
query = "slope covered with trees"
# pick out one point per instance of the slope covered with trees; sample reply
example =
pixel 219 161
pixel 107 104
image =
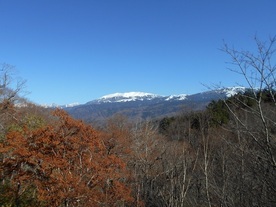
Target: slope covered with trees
pixel 50 159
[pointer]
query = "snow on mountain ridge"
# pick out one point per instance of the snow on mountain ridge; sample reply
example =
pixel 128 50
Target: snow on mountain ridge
pixel 137 96
pixel 53 105
pixel 231 91
pixel 71 104
pixel 129 95
pixel 142 96
pixel 179 97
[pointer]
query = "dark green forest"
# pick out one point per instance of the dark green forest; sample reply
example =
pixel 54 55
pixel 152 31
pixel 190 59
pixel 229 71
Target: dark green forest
pixel 224 155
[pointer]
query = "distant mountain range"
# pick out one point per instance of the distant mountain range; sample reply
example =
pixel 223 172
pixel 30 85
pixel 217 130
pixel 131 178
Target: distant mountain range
pixel 145 105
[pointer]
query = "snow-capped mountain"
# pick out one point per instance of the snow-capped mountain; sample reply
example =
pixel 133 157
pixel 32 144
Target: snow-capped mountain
pixel 135 96
pixel 231 91
pixel 179 97
pixel 125 97
pixel 142 96
pixel 147 105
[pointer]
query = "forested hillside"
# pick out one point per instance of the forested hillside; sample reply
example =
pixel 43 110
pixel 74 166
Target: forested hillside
pixel 224 155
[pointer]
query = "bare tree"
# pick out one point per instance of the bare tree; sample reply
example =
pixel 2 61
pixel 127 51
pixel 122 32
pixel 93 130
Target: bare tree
pixel 10 87
pixel 259 71
pixel 254 113
pixel 10 94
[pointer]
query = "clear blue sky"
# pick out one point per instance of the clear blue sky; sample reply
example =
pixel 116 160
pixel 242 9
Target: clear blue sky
pixel 79 50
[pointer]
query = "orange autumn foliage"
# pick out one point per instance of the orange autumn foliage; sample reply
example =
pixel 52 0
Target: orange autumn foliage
pixel 67 163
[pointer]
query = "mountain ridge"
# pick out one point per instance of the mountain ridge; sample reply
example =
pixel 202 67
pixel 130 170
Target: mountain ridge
pixel 146 105
pixel 134 96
